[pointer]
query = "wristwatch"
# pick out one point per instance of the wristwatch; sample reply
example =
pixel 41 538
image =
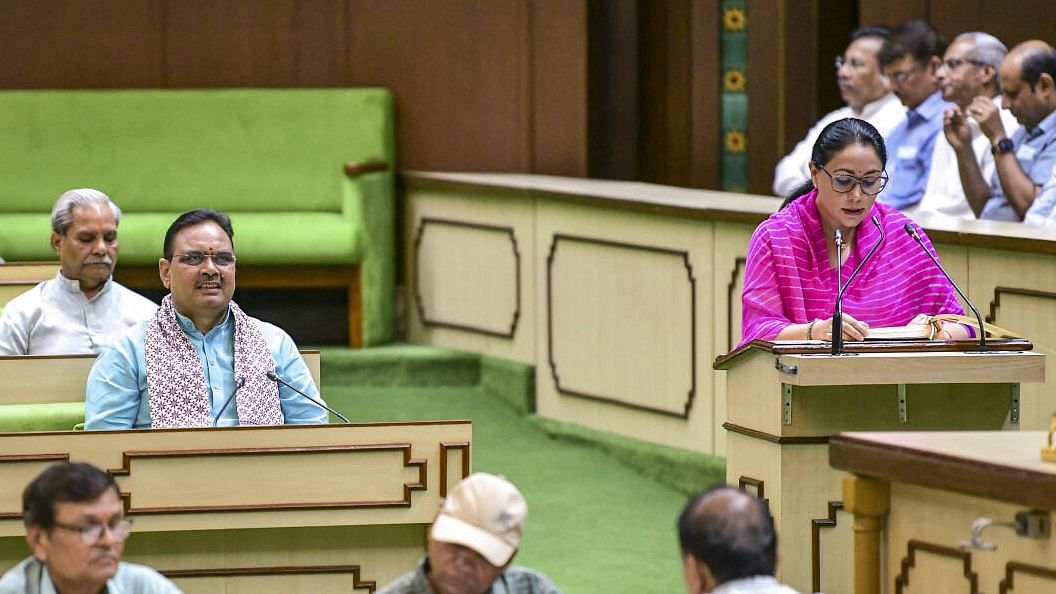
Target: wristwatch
pixel 1003 146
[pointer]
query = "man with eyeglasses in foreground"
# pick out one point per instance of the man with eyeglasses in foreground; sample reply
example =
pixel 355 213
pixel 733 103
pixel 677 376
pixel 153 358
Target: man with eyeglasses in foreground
pixel 910 59
pixel 968 75
pixel 76 530
pixel 867 96
pixel 200 361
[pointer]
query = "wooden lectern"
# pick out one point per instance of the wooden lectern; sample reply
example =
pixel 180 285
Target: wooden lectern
pixel 311 508
pixel 785 399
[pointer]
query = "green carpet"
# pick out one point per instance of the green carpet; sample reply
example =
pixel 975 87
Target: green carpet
pixel 594 524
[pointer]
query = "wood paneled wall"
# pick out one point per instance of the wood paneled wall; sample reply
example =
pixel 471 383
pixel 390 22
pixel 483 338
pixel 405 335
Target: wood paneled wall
pixel 625 89
pixel 480 85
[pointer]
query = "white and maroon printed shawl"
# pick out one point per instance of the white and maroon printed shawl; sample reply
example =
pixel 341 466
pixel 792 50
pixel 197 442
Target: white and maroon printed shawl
pixel 176 381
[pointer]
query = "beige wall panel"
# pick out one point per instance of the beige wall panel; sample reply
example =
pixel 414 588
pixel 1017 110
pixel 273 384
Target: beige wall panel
pixel 1038 313
pixel 955 259
pixel 943 518
pixel 454 256
pixel 995 278
pixel 621 323
pixel 730 247
pixel 619 327
pixel 32 272
pixel 474 288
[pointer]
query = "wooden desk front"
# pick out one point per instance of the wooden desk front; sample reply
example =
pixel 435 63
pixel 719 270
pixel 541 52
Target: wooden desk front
pixel 328 508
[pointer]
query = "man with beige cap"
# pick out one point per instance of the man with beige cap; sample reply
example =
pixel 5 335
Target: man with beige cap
pixel 471 543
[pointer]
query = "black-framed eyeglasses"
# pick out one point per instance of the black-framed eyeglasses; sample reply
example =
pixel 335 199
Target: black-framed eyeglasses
pixel 195 258
pixel 91 533
pixel 903 75
pixel 844 182
pixel 954 63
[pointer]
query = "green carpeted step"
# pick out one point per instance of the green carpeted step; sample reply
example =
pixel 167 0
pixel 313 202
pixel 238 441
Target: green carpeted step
pixel 399 365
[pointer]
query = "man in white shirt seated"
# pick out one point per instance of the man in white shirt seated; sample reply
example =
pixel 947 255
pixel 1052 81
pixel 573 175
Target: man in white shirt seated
pixel 969 72
pixel 728 544
pixel 76 529
pixel 82 310
pixel 867 95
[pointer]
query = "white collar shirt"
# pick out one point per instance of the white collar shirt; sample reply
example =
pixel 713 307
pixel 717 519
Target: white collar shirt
pixel 55 318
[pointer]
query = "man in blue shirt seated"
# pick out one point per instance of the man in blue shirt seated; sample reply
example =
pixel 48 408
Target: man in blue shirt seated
pixel 200 360
pixel 728 544
pixel 910 59
pixel 76 529
pixel 1026 160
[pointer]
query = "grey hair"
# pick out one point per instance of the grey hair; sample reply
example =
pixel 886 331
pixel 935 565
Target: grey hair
pixel 62 212
pixel 986 49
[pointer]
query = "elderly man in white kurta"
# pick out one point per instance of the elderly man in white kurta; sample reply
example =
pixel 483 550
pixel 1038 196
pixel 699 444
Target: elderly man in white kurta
pixel 82 310
pixel 969 72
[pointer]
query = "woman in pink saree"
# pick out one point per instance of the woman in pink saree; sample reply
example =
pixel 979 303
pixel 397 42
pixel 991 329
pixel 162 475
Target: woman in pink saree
pixel 790 279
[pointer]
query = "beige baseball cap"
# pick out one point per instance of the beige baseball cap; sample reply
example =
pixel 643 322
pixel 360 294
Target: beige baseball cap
pixel 485 513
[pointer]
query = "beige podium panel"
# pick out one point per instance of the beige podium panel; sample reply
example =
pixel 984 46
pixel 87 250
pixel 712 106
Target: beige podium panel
pixel 43 379
pixel 327 508
pixel 784 401
pixel 935 486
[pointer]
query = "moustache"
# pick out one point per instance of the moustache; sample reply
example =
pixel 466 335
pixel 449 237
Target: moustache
pixel 105 260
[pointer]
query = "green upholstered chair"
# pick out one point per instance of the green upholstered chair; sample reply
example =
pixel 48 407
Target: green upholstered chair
pixel 306 175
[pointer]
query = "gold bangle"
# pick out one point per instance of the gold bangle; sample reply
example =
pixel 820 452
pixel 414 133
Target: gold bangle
pixel 810 329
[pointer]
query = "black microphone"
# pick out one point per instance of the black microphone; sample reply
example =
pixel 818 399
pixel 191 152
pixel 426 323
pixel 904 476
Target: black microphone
pixel 982 329
pixel 837 315
pixel 241 381
pixel 275 378
pixel 837 311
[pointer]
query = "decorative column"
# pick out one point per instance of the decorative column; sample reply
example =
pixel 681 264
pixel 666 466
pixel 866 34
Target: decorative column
pixel 734 62
pixel 869 500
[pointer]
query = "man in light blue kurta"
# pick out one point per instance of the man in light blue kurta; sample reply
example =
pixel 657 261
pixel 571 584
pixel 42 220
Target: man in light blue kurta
pixel 910 59
pixel 117 386
pixel 1025 162
pixel 200 360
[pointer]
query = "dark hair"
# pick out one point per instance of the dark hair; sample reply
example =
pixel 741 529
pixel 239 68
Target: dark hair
pixel 730 531
pixel 880 31
pixel 915 38
pixel 59 483
pixel 193 218
pixel 1037 63
pixel 833 139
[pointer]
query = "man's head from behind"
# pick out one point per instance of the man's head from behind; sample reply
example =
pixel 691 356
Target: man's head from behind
pixel 84 235
pixel 75 525
pixel 970 66
pixel 1028 82
pixel 198 266
pixel 475 535
pixel 910 58
pixel 858 71
pixel 725 534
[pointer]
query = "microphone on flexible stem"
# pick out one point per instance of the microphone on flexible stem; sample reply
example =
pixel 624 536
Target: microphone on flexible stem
pixel 241 381
pixel 982 330
pixel 275 378
pixel 837 316
pixel 837 311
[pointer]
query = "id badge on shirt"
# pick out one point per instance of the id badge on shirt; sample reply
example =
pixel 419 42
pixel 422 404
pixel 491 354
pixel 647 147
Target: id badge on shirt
pixel 906 152
pixel 1026 153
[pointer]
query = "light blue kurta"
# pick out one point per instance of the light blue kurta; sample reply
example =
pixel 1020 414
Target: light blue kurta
pixel 117 396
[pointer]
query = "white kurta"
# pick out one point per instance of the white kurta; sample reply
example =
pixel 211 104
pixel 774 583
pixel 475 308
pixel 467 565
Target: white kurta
pixel 55 318
pixel 884 114
pixel 944 194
